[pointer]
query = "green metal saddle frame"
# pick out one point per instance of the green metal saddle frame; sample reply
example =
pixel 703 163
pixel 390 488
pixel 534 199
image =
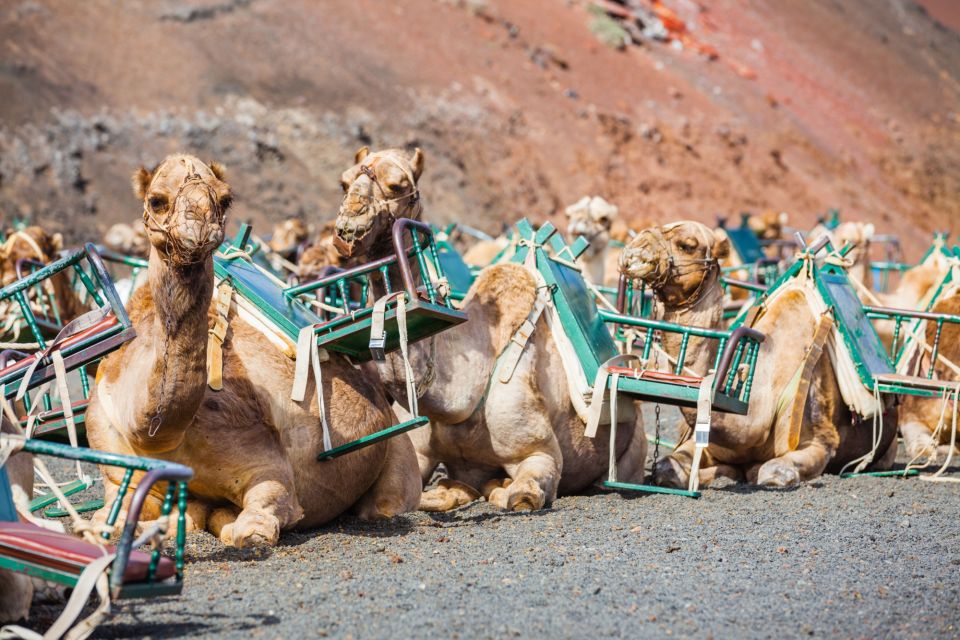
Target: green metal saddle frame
pixel 873 363
pixel 586 326
pixel 59 558
pixel 338 307
pixel 79 350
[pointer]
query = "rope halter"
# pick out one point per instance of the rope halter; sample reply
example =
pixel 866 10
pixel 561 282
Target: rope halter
pixel 188 207
pixel 675 267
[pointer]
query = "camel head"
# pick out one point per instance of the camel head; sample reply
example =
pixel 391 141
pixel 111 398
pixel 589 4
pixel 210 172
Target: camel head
pixel 288 236
pixel 32 243
pixel 128 239
pixel 769 224
pixel 184 206
pixel 591 218
pixel 679 261
pixel 379 188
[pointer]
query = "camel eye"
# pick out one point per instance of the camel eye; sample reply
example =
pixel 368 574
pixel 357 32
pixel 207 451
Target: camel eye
pixel 157 203
pixel 396 188
pixel 687 245
pixel 344 185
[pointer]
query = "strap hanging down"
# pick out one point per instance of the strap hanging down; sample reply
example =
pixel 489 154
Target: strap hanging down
pixel 310 355
pixel 701 431
pixel 599 387
pixel 511 357
pixel 378 340
pixel 217 335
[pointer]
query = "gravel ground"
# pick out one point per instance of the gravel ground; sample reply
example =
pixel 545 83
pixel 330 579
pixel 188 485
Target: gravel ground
pixel 854 558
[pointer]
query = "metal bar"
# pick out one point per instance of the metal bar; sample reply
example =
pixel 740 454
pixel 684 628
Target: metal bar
pixel 373 438
pixel 118 502
pixel 649 488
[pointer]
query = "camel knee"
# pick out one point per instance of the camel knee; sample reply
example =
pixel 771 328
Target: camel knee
pixel 252 529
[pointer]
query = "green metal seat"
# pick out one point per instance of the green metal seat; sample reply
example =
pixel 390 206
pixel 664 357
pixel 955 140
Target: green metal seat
pixel 586 327
pixel 339 308
pixel 60 557
pixel 81 342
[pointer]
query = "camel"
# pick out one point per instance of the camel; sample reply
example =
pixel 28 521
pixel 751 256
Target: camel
pixel 919 417
pixel 483 252
pixel 287 237
pixel 520 443
pixel 679 263
pixel 321 255
pixel 593 218
pixel 128 239
pixel 253 450
pixel 36 244
pixel 858 234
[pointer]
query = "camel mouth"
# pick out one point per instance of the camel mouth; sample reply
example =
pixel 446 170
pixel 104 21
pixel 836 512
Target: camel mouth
pixel 353 233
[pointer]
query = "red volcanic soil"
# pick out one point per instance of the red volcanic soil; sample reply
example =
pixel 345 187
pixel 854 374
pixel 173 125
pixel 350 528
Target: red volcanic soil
pixel 520 109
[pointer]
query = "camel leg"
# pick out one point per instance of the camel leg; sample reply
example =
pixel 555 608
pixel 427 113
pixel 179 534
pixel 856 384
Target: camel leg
pixel 805 463
pixel 918 439
pixel 421 444
pixel 631 465
pixel 674 470
pixel 268 506
pixel 16 593
pixel 223 518
pixel 534 485
pixel 397 489
pixel 448 494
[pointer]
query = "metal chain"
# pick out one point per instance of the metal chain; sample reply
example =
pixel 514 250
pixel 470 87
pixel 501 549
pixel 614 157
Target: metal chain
pixel 656 443
pixel 157 418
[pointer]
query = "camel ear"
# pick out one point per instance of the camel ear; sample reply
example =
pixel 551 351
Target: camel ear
pixel 868 230
pixel 141 182
pixel 217 169
pixel 783 218
pixel 417 163
pixel 56 242
pixel 721 244
pixel 362 153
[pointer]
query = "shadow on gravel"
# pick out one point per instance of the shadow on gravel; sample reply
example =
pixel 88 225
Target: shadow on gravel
pixel 218 623
pixel 461 516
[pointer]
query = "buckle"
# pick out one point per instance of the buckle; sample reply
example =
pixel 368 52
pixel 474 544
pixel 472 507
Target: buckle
pixel 378 347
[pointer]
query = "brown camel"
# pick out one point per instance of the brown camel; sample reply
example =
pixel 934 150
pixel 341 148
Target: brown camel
pixel 859 235
pixel 253 450
pixel 321 255
pixel 128 239
pixel 518 443
pixel 678 261
pixel 35 244
pixel 920 417
pixel 593 218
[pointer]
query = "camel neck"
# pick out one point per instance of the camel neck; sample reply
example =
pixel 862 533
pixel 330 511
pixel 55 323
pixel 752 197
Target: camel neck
pixel 705 312
pixel 178 333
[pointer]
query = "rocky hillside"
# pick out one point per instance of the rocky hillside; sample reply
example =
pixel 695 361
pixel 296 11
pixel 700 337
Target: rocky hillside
pixel 699 108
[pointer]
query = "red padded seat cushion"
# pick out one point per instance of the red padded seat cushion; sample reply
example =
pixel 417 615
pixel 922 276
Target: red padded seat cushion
pixel 64 552
pixel 103 325
pixel 657 376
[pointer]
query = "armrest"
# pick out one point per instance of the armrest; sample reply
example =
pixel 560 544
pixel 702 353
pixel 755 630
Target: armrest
pixel 736 337
pixel 892 313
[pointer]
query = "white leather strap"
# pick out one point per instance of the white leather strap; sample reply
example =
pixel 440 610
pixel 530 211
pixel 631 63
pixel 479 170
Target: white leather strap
pixel 599 387
pixel 309 356
pixel 701 430
pixel 511 357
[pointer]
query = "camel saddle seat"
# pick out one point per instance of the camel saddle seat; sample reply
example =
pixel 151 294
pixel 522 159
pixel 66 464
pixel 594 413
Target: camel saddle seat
pixel 586 329
pixel 62 553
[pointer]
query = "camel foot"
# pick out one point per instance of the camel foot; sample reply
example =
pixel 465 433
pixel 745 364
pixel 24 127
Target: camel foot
pixel 670 473
pixel 450 494
pixel 778 473
pixel 251 530
pixel 519 495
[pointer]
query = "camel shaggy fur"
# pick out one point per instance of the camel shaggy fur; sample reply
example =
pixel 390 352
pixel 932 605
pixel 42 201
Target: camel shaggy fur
pixel 678 261
pixel 520 443
pixel 252 449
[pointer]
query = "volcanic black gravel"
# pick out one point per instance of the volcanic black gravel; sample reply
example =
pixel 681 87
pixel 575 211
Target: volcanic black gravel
pixel 854 558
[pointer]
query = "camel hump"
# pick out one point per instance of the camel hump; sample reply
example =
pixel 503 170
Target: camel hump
pixel 512 291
